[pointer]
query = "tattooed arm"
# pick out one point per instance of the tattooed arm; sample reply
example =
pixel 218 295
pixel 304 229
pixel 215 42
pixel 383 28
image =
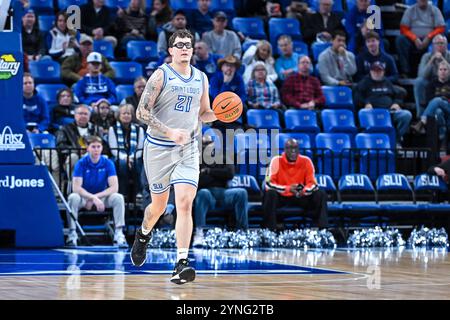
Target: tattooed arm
pixel 146 103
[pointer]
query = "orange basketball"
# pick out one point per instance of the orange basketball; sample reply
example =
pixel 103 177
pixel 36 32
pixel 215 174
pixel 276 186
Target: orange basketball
pixel 227 106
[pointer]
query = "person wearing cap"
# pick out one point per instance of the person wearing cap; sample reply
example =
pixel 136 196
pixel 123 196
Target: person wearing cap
pixel 376 91
pixel 95 86
pixel 204 60
pixel 97 21
pixel 178 22
pixel 200 20
pixel 222 41
pixel 228 79
pixel 337 65
pixel 32 38
pixel 75 67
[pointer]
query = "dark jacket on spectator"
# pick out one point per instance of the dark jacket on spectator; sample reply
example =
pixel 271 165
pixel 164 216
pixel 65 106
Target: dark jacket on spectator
pixel 133 20
pixel 380 94
pixel 69 137
pixel 438 89
pixel 33 43
pixel 217 175
pixel 91 20
pixel 71 66
pixel 312 24
pixel 443 165
pixel 364 60
pixel 59 112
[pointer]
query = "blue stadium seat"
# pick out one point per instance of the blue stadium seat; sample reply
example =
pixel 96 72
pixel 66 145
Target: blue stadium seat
pixel 183 4
pixel 339 120
pixel 304 142
pixel 249 149
pixel 126 72
pixel 49 91
pixel 301 121
pixel 113 4
pixel 263 119
pixel 395 186
pixel 318 48
pixel 426 182
pixel 105 48
pixel 245 181
pixel 283 26
pixel 376 156
pixel 42 6
pixel 45 71
pixel 142 51
pixel 300 47
pixel 334 154
pixel 251 27
pixel 390 182
pixel 64 4
pixel 377 121
pixel 42 140
pixel 46 22
pixel 446 9
pixel 338 97
pixel 123 91
pixel 327 184
pixel 352 186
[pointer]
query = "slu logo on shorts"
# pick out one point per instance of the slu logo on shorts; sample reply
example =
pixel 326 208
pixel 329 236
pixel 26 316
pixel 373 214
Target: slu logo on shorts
pixel 157 186
pixel 11 141
pixel 9 67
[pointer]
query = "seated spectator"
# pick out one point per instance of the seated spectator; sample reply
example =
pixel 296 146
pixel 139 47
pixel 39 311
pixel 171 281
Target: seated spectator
pixel 200 20
pixel 439 106
pixel 95 184
pixel 374 53
pixel 96 21
pixel 376 91
pixel 75 67
pixel 419 24
pixel 357 26
pixel 286 64
pixel 290 181
pixel 61 41
pixel 103 118
pixel 64 110
pixel 260 52
pixel 178 22
pixel 321 25
pixel 32 38
pixel 301 90
pixel 337 65
pixel 262 93
pixel 442 170
pixel 160 15
pixel 428 70
pixel 35 108
pixel 228 79
pixel 126 141
pixel 131 24
pixel 296 10
pixel 139 86
pixel 94 85
pixel 212 192
pixel 221 41
pixel 204 60
pixel 71 137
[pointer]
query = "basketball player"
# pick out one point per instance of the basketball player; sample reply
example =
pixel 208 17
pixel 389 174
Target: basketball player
pixel 173 101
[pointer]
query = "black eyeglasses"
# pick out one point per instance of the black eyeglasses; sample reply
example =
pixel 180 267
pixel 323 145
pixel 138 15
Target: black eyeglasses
pixel 180 45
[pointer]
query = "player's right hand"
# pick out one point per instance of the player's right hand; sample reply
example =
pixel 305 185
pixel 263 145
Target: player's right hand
pixel 179 136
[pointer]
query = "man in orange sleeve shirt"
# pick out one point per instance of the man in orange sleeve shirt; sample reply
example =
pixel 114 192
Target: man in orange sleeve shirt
pixel 419 24
pixel 290 181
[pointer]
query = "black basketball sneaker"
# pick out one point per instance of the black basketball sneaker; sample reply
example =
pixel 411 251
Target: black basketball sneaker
pixel 139 251
pixel 183 273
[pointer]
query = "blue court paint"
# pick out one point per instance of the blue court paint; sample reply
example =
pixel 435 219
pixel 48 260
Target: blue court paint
pixel 110 261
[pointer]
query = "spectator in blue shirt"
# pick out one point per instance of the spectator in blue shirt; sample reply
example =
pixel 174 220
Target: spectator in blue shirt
pixel 356 25
pixel 228 79
pixel 286 64
pixel 204 60
pixel 95 86
pixel 200 20
pixel 35 108
pixel 95 183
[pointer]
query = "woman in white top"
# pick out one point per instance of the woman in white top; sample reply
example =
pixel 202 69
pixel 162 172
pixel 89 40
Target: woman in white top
pixel 61 41
pixel 262 51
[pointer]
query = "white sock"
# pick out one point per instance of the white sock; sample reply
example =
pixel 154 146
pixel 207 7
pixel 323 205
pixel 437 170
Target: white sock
pixel 145 231
pixel 199 232
pixel 182 254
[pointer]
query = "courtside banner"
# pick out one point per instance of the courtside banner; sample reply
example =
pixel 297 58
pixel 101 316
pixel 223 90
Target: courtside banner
pixel 28 206
pixel 14 145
